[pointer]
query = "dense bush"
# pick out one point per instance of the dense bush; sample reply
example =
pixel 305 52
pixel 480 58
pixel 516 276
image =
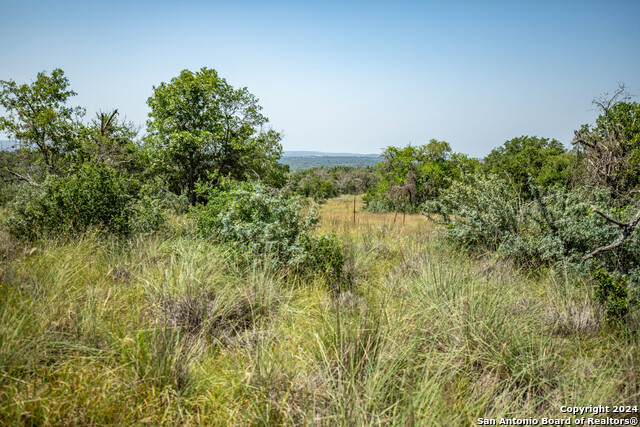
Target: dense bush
pixel 480 212
pixel 611 148
pixel 94 195
pixel 558 228
pixel 262 222
pixel 544 161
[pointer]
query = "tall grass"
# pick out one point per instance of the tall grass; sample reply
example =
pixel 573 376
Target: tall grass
pixel 167 329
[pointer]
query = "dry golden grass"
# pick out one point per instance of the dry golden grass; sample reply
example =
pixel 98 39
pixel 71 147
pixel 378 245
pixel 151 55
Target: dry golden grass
pixel 337 214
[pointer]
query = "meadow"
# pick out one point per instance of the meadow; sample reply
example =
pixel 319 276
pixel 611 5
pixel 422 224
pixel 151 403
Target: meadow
pixel 166 328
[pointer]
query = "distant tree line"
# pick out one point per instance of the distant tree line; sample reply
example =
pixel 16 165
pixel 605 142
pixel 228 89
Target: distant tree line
pixel 322 183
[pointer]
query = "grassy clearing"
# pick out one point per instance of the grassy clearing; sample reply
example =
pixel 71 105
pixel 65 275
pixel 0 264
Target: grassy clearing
pixel 167 329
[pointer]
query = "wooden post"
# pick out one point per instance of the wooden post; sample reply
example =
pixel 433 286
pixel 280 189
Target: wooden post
pixel 404 215
pixel 354 209
pixel 397 209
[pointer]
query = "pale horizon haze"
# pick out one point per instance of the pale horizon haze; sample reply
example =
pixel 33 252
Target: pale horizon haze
pixel 345 76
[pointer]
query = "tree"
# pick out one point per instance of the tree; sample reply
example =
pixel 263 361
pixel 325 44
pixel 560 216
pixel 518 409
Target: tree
pixel 611 148
pixel 611 153
pixel 413 174
pixel 199 124
pixel 109 140
pixel 38 116
pixel 541 159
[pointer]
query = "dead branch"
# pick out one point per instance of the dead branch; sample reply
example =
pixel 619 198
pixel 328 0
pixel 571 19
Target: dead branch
pixel 105 122
pixel 25 178
pixel 626 229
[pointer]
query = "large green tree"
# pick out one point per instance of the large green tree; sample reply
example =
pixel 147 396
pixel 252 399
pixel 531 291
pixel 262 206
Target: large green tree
pixel 37 115
pixel 413 174
pixel 543 160
pixel 199 125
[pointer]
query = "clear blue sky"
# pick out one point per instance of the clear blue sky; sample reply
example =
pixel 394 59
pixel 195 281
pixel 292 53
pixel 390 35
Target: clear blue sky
pixel 345 76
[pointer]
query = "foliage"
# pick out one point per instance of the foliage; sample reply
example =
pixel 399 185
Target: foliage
pixel 520 159
pixel 167 329
pixel 94 195
pixel 610 149
pixel 324 255
pixel 322 183
pixel 20 161
pixel 612 292
pixel 479 212
pixel 38 116
pixel 200 124
pixel 411 175
pixel 555 229
pixel 109 140
pixel 258 221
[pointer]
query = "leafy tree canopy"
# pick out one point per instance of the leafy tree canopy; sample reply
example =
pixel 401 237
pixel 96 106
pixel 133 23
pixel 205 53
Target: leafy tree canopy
pixel 38 116
pixel 413 174
pixel 199 124
pixel 544 160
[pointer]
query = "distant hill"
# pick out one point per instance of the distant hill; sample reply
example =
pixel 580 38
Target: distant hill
pixel 323 154
pixel 312 159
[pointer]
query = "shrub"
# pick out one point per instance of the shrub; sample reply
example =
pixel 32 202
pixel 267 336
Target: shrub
pixel 611 292
pixel 480 212
pixel 325 182
pixel 557 228
pixel 258 221
pixel 92 196
pixel 325 256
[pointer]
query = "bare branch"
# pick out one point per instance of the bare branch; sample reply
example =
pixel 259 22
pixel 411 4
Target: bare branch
pixel 627 229
pixel 25 178
pixel 608 218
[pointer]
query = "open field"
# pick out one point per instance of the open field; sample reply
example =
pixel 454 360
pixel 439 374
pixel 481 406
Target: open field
pixel 167 329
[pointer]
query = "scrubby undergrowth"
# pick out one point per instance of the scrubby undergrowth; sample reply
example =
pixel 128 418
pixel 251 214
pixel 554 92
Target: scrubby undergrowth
pixel 168 328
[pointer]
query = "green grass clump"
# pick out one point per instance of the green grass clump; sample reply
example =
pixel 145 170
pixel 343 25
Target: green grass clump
pixel 169 329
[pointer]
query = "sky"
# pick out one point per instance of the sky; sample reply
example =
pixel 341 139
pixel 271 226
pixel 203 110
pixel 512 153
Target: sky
pixel 345 76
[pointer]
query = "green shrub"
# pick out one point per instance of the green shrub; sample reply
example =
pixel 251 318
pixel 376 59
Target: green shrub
pixel 555 229
pixel 525 158
pixel 92 196
pixel 262 222
pixel 611 291
pixel 480 212
pixel 322 183
pixel 411 175
pixel 325 255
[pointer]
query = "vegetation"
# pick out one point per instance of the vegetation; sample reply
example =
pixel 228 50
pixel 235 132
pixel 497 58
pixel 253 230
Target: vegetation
pixel 93 196
pixel 167 328
pixel 520 160
pixel 200 124
pixel 411 175
pixel 38 116
pixel 296 163
pixel 178 279
pixel 257 222
pixel 322 183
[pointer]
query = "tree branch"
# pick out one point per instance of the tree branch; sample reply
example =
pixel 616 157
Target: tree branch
pixel 24 178
pixel 627 229
pixel 608 218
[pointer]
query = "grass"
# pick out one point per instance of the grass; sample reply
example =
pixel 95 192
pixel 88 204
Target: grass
pixel 167 329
